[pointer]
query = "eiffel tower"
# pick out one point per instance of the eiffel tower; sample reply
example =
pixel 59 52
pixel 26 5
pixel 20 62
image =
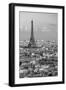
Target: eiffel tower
pixel 32 43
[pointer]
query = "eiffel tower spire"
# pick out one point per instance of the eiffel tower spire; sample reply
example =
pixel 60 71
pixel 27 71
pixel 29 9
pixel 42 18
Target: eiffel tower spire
pixel 32 40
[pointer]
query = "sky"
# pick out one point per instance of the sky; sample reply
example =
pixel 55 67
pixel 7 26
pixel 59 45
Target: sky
pixel 44 25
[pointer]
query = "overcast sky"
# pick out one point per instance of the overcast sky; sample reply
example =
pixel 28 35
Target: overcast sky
pixel 44 24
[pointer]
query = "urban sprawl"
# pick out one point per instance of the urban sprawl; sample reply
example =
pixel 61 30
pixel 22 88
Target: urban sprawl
pixel 37 58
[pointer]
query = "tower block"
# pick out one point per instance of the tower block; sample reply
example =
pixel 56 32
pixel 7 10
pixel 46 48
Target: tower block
pixel 32 42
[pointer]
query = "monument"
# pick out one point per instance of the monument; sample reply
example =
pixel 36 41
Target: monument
pixel 32 43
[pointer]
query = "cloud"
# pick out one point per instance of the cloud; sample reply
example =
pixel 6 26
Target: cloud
pixel 25 28
pixel 45 29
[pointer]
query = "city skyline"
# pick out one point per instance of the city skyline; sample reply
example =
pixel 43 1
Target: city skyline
pixel 38 59
pixel 45 26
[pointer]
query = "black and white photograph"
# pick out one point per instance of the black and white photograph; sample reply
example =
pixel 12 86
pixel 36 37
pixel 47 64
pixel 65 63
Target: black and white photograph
pixel 36 44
